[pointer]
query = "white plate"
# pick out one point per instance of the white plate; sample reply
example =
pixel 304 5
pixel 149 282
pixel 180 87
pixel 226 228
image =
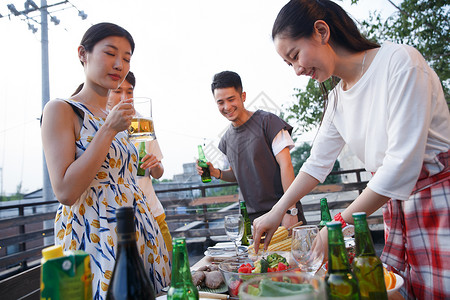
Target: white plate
pixel 398 284
pixel 225 252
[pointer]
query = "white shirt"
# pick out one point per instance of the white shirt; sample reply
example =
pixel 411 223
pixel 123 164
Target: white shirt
pixel 145 182
pixel 395 118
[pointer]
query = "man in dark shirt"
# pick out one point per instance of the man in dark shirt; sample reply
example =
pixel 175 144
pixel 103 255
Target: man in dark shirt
pixel 257 147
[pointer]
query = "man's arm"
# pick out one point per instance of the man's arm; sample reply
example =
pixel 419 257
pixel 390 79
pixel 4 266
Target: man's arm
pixel 225 175
pixel 287 177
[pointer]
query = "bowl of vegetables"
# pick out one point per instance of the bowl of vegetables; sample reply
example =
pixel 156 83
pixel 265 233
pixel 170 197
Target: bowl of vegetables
pixel 237 270
pixel 287 286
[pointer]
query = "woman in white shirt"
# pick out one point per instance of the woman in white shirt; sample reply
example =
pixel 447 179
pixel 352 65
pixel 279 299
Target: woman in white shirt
pixel 390 109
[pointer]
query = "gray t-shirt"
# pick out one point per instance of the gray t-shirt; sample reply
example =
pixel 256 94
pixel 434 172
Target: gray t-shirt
pixel 249 150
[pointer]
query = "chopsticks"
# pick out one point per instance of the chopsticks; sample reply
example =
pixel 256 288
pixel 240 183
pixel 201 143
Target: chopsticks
pixel 212 295
pixel 295 225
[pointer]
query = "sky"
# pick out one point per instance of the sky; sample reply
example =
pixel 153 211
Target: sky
pixel 180 45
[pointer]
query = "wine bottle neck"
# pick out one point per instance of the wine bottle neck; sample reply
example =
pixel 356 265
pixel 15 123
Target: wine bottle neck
pixel 125 238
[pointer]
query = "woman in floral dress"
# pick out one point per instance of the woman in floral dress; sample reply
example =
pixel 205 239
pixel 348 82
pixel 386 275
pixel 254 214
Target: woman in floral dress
pixel 92 165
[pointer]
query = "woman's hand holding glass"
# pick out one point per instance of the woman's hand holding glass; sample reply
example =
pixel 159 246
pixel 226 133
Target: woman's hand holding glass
pixel 119 118
pixel 307 248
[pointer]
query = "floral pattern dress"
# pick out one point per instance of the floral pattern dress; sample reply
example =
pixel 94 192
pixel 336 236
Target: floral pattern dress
pixel 90 223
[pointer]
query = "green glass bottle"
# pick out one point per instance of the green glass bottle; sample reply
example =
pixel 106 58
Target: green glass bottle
pixel 367 267
pixel 202 162
pixel 129 279
pixel 247 224
pixel 340 282
pixel 142 153
pixel 325 216
pixel 181 286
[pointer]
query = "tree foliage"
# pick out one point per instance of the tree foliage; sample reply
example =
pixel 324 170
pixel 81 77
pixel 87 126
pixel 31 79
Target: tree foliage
pixel 423 24
pixel 307 112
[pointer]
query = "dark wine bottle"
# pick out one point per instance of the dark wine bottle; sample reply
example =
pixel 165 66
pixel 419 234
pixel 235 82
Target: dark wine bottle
pixel 129 279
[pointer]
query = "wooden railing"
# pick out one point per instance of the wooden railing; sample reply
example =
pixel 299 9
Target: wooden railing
pixel 190 225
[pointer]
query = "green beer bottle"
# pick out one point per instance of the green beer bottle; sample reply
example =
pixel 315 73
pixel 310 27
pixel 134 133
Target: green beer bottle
pixel 202 162
pixel 142 153
pixel 325 216
pixel 181 286
pixel 247 224
pixel 340 282
pixel 366 265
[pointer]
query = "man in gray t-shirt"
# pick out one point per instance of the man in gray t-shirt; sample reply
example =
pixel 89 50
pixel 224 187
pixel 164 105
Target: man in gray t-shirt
pixel 257 146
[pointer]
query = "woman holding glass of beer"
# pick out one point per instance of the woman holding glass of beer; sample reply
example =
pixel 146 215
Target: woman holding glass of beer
pixel 390 109
pixel 92 165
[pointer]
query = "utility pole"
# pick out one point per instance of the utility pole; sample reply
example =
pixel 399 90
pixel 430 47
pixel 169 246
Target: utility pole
pixel 30 8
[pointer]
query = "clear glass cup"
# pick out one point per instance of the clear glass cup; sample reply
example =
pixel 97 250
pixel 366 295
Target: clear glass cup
pixel 283 286
pixel 307 248
pixel 142 127
pixel 234 227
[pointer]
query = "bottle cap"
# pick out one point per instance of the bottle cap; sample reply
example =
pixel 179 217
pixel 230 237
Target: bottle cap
pixel 334 224
pixel 359 215
pixel 51 252
pixel 178 241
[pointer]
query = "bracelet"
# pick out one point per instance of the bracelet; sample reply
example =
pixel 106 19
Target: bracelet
pixel 220 174
pixel 338 217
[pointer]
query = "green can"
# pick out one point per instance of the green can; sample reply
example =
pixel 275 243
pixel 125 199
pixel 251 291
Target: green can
pixel 65 275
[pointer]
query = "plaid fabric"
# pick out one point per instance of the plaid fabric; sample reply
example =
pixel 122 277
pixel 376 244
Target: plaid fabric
pixel 417 236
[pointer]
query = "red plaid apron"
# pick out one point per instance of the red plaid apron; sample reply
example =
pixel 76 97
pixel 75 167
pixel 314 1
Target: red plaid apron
pixel 417 235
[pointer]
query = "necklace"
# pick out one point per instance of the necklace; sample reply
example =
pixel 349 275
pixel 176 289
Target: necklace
pixel 106 112
pixel 364 60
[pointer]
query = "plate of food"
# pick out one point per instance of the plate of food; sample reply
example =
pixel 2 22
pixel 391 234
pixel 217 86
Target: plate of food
pixel 209 279
pixel 393 281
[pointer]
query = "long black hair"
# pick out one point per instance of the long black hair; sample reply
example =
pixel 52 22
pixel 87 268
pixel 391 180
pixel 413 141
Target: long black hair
pixel 296 20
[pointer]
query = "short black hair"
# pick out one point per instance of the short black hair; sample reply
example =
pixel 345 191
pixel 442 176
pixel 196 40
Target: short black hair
pixel 131 79
pixel 226 79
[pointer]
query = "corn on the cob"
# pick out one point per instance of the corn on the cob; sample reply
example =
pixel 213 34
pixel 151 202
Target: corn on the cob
pixel 284 245
pixel 280 234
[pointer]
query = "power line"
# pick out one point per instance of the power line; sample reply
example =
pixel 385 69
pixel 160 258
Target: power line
pixel 30 15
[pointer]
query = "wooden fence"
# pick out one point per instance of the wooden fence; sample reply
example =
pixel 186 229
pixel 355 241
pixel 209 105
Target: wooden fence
pixel 19 272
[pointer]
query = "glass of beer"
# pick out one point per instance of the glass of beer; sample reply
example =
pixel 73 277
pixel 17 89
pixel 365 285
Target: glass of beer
pixel 142 128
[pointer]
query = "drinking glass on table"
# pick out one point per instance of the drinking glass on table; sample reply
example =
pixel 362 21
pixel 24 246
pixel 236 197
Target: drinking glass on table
pixel 142 127
pixel 234 227
pixel 307 248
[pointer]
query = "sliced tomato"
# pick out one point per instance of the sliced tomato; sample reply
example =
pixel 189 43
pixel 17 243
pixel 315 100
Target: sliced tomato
pixel 234 287
pixel 281 266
